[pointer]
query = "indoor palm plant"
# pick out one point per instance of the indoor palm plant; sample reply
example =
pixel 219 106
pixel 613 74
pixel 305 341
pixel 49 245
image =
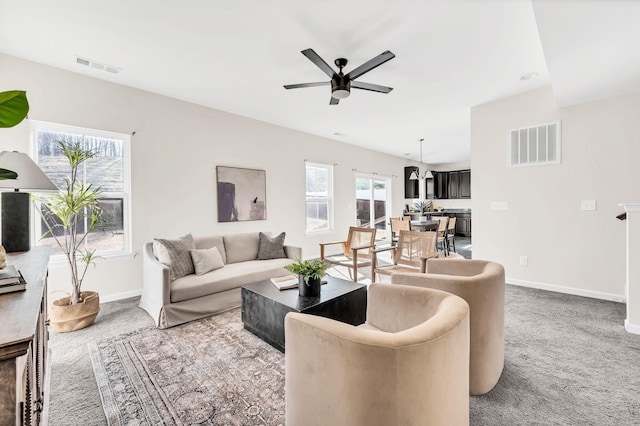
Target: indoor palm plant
pixel 310 273
pixel 69 216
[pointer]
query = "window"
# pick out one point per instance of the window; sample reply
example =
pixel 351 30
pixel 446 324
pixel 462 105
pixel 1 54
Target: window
pixel 535 145
pixel 109 169
pixel 319 208
pixel 372 201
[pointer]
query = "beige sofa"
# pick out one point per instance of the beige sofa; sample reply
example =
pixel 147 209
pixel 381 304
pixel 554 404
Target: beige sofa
pixel 196 296
pixel 481 284
pixel 407 365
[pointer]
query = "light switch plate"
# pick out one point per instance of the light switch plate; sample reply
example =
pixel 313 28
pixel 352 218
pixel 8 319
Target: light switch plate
pixel 499 205
pixel 588 205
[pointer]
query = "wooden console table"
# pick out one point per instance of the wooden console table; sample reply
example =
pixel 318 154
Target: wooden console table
pixel 24 361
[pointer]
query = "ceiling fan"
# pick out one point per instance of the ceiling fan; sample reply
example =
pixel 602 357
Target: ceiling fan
pixel 341 83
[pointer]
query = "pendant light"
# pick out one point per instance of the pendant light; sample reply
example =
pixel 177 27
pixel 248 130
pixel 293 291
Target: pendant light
pixel 415 175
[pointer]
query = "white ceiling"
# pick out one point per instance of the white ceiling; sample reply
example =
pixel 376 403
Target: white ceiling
pixel 235 56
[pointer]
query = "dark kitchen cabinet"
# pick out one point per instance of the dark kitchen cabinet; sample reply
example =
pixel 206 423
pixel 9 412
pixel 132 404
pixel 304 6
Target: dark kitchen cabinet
pixel 454 181
pixel 453 184
pixel 463 224
pixel 464 190
pixel 411 187
pixel 441 185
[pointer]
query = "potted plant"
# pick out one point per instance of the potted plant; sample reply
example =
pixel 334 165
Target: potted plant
pixel 310 273
pixel 70 215
pixel 422 206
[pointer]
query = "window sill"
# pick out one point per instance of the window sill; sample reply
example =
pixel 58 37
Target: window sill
pixel 320 233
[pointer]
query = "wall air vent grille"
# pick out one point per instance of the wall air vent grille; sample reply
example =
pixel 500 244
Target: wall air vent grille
pixel 535 145
pixel 97 65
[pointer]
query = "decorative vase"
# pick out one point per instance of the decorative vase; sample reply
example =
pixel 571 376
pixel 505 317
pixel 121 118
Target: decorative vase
pixel 64 317
pixel 310 288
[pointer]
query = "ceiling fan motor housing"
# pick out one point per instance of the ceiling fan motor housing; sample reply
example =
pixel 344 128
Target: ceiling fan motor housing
pixel 340 87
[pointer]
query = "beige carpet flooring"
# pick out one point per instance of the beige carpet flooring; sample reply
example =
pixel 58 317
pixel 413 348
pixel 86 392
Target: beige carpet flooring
pixel 568 361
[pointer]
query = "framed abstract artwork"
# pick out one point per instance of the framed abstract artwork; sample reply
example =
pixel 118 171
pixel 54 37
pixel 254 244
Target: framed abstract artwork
pixel 241 194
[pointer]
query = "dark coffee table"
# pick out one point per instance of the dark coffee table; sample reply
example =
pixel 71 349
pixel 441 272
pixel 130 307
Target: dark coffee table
pixel 264 306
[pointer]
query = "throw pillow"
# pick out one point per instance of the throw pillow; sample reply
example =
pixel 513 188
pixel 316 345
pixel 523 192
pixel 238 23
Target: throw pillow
pixel 175 254
pixel 206 260
pixel 271 248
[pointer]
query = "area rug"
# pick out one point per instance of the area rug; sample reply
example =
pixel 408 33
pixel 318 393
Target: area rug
pixel 207 372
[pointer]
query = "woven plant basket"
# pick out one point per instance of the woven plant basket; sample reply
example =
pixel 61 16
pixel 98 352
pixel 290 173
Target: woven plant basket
pixel 64 317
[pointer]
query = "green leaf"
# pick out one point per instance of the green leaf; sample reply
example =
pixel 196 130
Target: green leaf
pixel 7 174
pixel 13 107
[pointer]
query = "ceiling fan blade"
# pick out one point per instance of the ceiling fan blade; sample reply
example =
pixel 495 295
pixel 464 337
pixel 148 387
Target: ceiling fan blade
pixel 371 64
pixel 334 101
pixel 320 63
pixel 371 87
pixel 298 86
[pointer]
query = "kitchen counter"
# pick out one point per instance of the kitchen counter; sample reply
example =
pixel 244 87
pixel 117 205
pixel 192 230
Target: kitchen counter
pixel 452 211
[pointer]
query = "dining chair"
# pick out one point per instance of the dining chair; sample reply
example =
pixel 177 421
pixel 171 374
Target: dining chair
pixel 442 233
pixel 398 225
pixel 356 250
pixel 410 255
pixel 451 233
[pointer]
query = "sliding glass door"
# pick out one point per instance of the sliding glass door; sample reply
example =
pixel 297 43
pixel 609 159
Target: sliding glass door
pixel 373 204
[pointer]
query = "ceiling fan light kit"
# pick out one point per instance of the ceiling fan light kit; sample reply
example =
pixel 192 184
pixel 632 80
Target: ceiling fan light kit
pixel 341 83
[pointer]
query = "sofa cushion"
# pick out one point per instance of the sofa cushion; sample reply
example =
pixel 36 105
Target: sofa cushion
pixel 205 260
pixel 212 241
pixel 241 247
pixel 231 276
pixel 271 248
pixel 175 254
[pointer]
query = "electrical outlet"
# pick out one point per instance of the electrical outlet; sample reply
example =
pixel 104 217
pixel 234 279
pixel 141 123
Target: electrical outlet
pixel 524 260
pixel 588 205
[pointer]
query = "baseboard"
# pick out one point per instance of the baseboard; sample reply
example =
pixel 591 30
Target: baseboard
pixel 120 296
pixel 568 290
pixel 631 328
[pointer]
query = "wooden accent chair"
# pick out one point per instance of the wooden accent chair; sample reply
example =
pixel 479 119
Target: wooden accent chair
pixel 481 284
pixel 398 225
pixel 356 250
pixel 408 364
pixel 410 255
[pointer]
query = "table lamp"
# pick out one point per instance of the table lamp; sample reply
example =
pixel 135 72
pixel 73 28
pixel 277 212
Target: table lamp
pixel 15 204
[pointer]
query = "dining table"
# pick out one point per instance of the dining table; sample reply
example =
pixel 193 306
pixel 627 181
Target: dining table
pixel 423 225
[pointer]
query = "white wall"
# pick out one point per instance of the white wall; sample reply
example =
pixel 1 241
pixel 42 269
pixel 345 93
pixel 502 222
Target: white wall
pixel 583 251
pixel 175 150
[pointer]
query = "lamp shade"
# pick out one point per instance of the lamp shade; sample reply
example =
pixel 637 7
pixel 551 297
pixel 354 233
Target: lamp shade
pixel 30 177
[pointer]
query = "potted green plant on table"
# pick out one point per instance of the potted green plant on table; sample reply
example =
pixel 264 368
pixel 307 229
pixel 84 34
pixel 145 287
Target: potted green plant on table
pixel 310 273
pixel 69 216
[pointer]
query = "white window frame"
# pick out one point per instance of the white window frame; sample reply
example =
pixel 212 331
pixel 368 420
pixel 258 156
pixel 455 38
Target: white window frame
pixel 329 199
pixel 126 195
pixel 387 184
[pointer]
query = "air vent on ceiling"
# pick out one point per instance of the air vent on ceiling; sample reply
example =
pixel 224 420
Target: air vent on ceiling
pixel 97 65
pixel 535 145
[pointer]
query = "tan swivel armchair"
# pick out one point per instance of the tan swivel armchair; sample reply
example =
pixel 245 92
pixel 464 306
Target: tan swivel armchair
pixel 407 365
pixel 481 284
